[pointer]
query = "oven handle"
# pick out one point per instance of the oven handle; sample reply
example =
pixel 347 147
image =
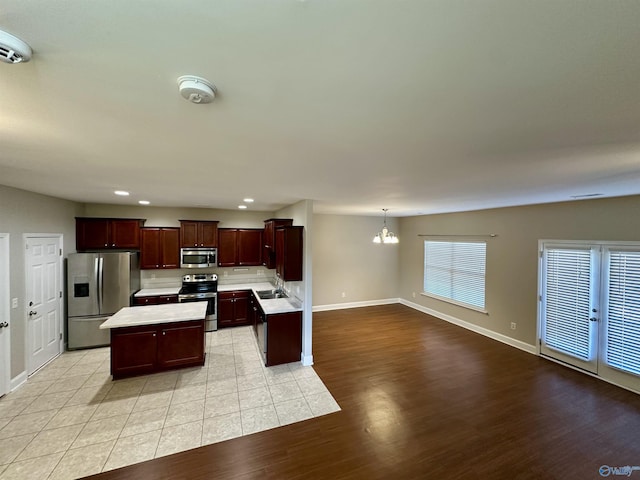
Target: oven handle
pixel 199 296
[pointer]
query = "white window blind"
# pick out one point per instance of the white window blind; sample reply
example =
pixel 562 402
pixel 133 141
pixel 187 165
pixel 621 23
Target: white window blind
pixel 455 271
pixel 623 323
pixel 568 301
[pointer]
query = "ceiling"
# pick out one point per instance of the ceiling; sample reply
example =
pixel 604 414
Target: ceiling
pixel 419 106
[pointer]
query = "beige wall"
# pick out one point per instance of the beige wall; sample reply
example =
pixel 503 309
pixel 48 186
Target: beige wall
pixel 512 257
pixel 170 217
pixel 345 259
pixel 25 212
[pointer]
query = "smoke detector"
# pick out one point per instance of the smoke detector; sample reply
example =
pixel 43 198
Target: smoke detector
pixel 196 89
pixel 12 49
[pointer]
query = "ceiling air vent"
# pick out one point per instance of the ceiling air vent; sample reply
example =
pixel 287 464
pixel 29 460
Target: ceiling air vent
pixel 12 49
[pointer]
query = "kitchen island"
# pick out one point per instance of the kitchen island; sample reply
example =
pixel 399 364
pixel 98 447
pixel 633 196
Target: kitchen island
pixel 154 338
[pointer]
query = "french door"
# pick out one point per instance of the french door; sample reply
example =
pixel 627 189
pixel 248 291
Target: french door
pixel 589 313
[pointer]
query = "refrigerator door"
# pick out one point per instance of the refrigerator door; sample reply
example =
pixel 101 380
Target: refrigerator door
pixel 85 332
pixel 82 284
pixel 115 281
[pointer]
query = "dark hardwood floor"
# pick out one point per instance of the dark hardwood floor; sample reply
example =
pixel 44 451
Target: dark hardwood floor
pixel 421 398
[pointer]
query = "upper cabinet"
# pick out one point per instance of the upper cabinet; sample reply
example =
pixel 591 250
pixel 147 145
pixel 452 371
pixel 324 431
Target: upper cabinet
pixel 197 233
pixel 269 251
pixel 239 247
pixel 160 248
pixel 107 233
pixel 289 253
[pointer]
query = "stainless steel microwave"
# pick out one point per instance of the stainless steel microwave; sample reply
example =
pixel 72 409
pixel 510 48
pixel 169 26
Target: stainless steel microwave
pixel 198 257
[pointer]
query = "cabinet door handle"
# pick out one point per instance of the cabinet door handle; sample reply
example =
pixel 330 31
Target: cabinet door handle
pixel 154 334
pixel 164 333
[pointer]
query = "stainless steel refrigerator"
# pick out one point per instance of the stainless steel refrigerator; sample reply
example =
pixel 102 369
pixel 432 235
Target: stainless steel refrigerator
pixel 98 285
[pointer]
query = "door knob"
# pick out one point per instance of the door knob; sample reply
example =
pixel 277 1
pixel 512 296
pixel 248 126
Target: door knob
pixel 32 312
pixel 4 324
pixel 593 319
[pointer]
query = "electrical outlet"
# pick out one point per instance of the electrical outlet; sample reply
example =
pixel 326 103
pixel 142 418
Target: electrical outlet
pixel 260 273
pixel 344 294
pixel 153 276
pixel 413 294
pixel 14 303
pixel 513 325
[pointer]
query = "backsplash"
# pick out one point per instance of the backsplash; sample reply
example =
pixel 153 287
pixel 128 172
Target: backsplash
pixel 226 276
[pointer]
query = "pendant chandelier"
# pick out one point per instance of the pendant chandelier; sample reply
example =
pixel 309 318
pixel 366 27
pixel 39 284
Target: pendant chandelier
pixel 385 236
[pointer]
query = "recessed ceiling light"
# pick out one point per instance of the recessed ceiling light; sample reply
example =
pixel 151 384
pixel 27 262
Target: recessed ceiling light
pixel 242 206
pixel 144 202
pixel 248 200
pixel 122 193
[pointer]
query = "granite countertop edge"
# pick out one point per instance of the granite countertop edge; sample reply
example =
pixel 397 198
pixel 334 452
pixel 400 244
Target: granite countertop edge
pixel 156 315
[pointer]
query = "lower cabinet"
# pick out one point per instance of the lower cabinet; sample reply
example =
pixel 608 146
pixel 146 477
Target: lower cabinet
pixel 180 345
pixel 233 308
pixel 283 338
pixel 279 335
pixel 154 300
pixel 153 348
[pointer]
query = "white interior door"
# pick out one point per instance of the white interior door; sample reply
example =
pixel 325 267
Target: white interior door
pixel 43 300
pixel 569 305
pixel 5 345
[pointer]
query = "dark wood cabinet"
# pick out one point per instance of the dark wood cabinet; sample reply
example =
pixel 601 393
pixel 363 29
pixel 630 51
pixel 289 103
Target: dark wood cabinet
pixel 196 233
pixel 239 247
pixel 233 308
pixel 107 233
pixel 154 300
pixel 289 253
pixel 227 247
pixel 152 348
pixel 269 239
pixel 279 335
pixel 284 338
pixel 160 248
pixel 133 351
pixel 180 345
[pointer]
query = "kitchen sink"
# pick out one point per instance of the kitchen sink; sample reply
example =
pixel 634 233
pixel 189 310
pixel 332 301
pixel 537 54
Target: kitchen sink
pixel 271 294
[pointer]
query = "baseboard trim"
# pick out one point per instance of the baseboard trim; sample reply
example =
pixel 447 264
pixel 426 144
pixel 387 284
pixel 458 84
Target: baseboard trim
pixel 306 360
pixel 474 328
pixel 367 303
pixel 18 380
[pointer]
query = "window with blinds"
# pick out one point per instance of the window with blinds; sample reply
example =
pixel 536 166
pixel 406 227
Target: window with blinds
pixel 623 311
pixel 455 272
pixel 567 302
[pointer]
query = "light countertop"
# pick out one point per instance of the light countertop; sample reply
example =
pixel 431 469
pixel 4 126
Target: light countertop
pixel 156 314
pixel 156 292
pixel 271 306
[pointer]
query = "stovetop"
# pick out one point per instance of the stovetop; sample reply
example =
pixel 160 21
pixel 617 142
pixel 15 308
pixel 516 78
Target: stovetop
pixel 199 283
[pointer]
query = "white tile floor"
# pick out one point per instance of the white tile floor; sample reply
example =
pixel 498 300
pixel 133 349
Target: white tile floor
pixel 71 420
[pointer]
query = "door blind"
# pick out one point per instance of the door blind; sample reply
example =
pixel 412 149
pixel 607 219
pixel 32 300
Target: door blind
pixel 456 271
pixel 568 301
pixel 623 313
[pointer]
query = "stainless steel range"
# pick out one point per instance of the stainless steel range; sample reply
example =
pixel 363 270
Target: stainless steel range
pixel 199 287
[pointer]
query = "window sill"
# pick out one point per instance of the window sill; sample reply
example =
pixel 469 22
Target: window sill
pixel 453 302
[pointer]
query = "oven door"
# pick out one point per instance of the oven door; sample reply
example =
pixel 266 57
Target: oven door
pixel 211 319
